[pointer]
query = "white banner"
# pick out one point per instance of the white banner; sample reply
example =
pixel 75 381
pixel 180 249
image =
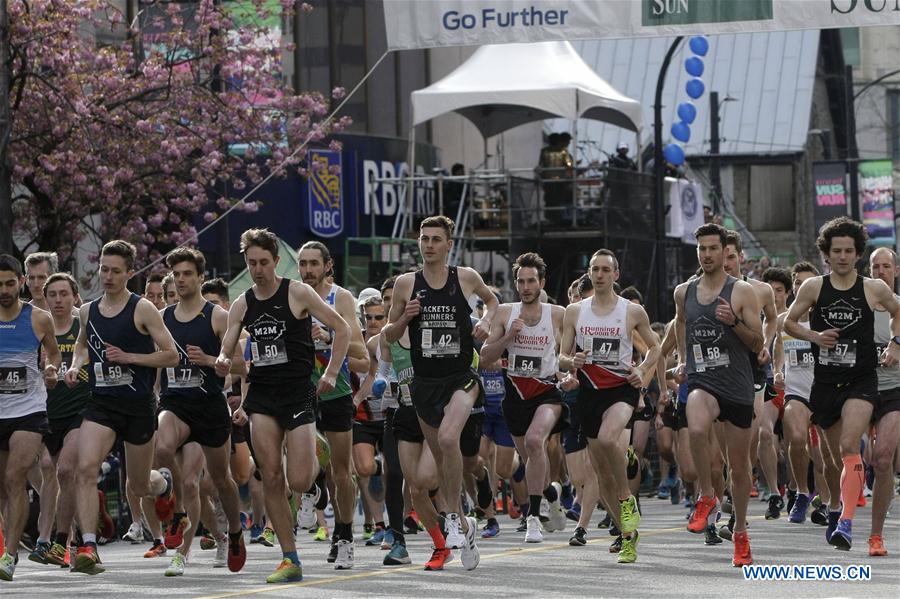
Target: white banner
pixel 432 23
pixel 685 212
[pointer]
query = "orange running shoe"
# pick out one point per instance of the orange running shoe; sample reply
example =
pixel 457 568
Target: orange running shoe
pixel 175 532
pixel 514 512
pixel 700 515
pixel 861 502
pixel 87 560
pixel 158 550
pixel 876 546
pixel 438 559
pixel 742 555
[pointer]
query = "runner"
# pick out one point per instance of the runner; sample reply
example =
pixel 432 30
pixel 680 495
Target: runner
pixel 123 341
pixel 335 407
pixel 65 408
pixel 281 399
pixel 25 331
pixel 717 327
pixel 432 303
pixel 842 331
pixel 597 341
pixel 153 291
pixel 38 268
pixel 883 265
pixel 527 335
pixel 194 416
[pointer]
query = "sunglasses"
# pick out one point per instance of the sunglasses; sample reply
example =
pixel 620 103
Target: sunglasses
pixel 374 316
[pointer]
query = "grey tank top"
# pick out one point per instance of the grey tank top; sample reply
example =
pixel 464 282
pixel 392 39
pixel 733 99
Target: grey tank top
pixel 888 377
pixel 717 359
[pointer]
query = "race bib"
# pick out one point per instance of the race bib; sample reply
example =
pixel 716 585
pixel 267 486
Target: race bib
pixel 443 343
pixel 184 377
pixel 801 358
pixel 842 355
pixel 601 351
pixel 61 373
pixel 405 395
pixel 268 353
pixel 13 380
pixel 529 366
pixel 709 357
pixel 107 374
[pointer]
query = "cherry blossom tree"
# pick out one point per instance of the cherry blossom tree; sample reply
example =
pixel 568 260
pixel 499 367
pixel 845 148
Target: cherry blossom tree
pixel 138 122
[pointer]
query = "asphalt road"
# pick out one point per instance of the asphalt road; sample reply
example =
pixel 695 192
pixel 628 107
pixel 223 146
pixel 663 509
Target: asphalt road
pixel 671 563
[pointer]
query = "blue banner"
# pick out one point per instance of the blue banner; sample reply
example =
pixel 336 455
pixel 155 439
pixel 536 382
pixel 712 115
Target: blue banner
pixel 325 200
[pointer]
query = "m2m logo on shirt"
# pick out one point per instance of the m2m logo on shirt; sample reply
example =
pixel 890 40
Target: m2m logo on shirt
pixel 703 330
pixel 267 328
pixel 840 314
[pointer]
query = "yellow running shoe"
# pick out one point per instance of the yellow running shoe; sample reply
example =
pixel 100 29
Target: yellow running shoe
pixel 287 571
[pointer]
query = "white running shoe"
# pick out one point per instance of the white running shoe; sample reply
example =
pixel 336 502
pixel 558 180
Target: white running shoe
pixel 221 559
pixel 176 568
pixel 544 513
pixel 557 515
pixel 344 559
pixel 135 534
pixel 455 538
pixel 533 532
pixel 469 554
pixel 306 516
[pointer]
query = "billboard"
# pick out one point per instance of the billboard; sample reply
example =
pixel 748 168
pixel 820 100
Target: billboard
pixel 829 192
pixel 877 197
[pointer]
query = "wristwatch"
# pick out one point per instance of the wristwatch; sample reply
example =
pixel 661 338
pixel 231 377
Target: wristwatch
pixel 896 340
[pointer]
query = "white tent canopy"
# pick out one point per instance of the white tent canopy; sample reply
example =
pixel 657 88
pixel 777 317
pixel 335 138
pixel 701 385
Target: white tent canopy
pixel 506 85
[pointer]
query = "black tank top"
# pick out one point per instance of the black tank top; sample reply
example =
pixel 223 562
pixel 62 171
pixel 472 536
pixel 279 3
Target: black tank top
pixel 441 335
pixel 280 344
pixel 188 381
pixel 855 355
pixel 118 381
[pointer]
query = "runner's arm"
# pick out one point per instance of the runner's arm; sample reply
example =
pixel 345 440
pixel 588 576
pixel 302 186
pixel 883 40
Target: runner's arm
pixel 803 302
pixel 346 307
pixel 233 331
pixel 151 320
pixel 567 344
pixel 748 326
pixel 397 318
pixel 330 318
pixel 497 340
pixel 365 389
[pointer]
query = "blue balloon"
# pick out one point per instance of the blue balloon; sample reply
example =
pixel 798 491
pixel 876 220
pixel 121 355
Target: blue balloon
pixel 687 112
pixel 699 45
pixel 674 154
pixel 681 131
pixel 694 66
pixel 694 88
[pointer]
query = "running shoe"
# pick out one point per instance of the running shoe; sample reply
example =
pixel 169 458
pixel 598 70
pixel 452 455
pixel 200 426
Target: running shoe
pixel 817 501
pixel 207 543
pixel 876 546
pixel 87 561
pixel 287 571
pixel 567 499
pixel 675 492
pixel 544 512
pixel 628 552
pixel 7 567
pixel 616 545
pixel 861 502
pixel 57 555
pixel 368 531
pixel 388 540
pixel 632 466
pixel 663 491
pixel 455 538
pixel 605 522
pixel 842 537
pixel 533 533
pixel 613 529
pixel 791 499
pixel 798 511
pixel 135 534
pixel 165 503
pixel 579 538
pixel 344 558
pixel 306 517
pixel 439 557
pixel 332 552
pixel 819 515
pixel 237 554
pixel 629 515
pixel 175 533
pixel 158 550
pixel 712 536
pixel 469 554
pixel 727 531
pixel 375 538
pixel 268 537
pixel 321 534
pixel 523 524
pixel 699 518
pixel 412 524
pixel 491 529
pixel 574 513
pixel 557 519
pixel 776 504
pixel 742 555
pixel 221 559
pixel 397 556
pixel 833 518
pixel 246 521
pixel 40 551
pixel 176 567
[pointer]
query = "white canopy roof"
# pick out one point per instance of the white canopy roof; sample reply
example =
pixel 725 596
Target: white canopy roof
pixel 505 85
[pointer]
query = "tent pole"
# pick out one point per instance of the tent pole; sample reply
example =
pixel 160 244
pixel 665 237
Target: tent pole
pixel 638 151
pixel 410 186
pixel 574 175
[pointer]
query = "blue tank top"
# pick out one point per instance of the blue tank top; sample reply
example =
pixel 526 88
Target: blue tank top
pixel 22 390
pixel 188 381
pixel 111 383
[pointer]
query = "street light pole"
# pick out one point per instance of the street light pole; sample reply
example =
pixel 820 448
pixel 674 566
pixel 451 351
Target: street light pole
pixel 715 176
pixel 662 291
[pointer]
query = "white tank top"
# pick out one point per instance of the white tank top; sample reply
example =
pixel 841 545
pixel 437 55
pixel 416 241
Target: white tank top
pixel 532 361
pixel 799 364
pixel 607 343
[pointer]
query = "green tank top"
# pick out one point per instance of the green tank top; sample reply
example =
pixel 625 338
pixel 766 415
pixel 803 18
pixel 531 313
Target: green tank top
pixel 402 360
pixel 63 402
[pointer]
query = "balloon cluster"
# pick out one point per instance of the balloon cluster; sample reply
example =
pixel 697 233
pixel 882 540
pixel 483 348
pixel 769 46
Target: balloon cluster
pixel 687 112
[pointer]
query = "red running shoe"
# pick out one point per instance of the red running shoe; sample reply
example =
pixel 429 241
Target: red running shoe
pixel 699 517
pixel 237 554
pixel 742 555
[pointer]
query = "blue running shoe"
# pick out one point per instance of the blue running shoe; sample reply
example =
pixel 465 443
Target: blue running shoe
pixel 388 541
pixel 798 511
pixel 663 491
pixel 377 538
pixel 842 537
pixel 675 492
pixel 397 556
pixel 833 518
pixel 245 519
pixel 491 529
pixel 574 514
pixel 256 532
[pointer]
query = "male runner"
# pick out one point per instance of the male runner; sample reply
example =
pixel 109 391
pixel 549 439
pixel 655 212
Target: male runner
pixel 281 399
pixel 336 406
pixel 153 291
pixel 38 267
pixel 527 334
pixel 433 304
pixel 883 265
pixel 193 412
pixel 717 327
pixel 25 331
pixel 597 341
pixel 65 408
pixel 123 341
pixel 842 331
